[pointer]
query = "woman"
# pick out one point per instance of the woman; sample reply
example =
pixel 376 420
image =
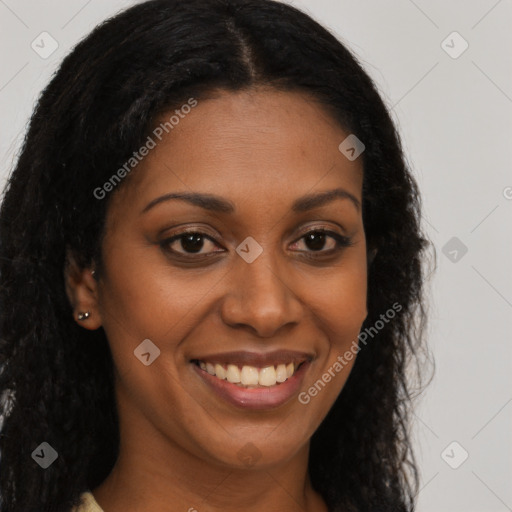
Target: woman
pixel 211 274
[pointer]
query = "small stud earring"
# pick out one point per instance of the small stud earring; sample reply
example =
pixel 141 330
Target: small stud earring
pixel 84 315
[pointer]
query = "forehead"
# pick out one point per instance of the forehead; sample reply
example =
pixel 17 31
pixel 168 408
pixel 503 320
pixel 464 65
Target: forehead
pixel 260 143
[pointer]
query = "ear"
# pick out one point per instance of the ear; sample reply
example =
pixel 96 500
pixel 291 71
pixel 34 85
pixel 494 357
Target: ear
pixel 82 292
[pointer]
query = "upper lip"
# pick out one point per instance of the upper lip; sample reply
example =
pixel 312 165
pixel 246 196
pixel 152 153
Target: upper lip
pixel 257 359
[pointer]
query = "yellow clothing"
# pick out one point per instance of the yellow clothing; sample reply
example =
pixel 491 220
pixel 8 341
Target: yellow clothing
pixel 89 504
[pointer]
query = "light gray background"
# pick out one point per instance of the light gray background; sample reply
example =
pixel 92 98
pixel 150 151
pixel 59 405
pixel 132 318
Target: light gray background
pixel 455 117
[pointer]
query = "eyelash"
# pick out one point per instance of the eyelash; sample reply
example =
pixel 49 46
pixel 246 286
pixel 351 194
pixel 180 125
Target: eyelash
pixel 341 243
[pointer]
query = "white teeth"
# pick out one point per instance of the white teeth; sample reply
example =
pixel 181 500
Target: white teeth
pixel 233 374
pixel 220 372
pixel 250 375
pixel 281 374
pixel 267 376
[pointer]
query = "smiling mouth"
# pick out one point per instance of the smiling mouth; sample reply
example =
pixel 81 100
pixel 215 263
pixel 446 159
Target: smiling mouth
pixel 247 376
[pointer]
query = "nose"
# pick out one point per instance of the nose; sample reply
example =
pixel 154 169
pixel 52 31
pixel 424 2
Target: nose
pixel 260 298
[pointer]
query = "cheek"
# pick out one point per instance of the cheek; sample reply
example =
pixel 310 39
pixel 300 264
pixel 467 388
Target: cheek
pixel 340 301
pixel 143 297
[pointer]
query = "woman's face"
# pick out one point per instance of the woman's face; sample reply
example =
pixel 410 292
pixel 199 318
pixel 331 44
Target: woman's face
pixel 251 287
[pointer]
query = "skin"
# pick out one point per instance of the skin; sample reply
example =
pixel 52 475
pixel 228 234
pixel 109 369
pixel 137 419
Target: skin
pixel 261 150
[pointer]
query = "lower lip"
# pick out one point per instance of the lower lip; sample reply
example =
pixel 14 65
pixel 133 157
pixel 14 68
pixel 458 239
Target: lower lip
pixel 255 398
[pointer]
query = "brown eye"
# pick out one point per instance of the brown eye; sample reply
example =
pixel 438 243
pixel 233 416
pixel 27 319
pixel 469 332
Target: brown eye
pixel 190 242
pixel 193 242
pixel 316 240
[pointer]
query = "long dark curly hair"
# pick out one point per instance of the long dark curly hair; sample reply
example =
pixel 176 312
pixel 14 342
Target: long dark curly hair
pixel 56 378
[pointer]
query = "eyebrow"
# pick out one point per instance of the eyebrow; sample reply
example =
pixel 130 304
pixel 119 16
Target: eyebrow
pixel 221 205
